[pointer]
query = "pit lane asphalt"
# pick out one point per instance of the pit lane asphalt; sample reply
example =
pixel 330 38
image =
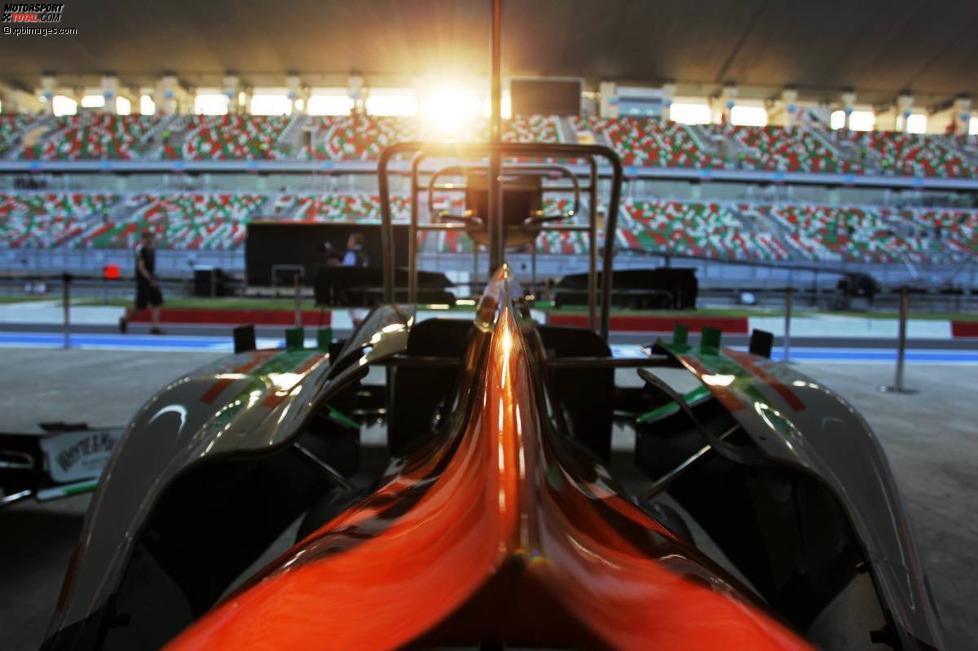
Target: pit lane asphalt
pixel 930 438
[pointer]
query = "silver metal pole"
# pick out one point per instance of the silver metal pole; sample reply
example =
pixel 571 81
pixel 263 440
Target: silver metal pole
pixel 533 266
pixel 413 233
pixel 475 266
pixel 66 307
pixel 610 236
pixel 592 244
pixel 902 339
pixel 788 305
pixel 298 300
pixel 897 386
pixel 497 229
pixel 386 228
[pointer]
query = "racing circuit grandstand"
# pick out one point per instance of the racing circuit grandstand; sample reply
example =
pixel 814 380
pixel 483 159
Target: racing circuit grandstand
pixel 901 207
pixel 752 172
pixel 762 232
pixel 809 147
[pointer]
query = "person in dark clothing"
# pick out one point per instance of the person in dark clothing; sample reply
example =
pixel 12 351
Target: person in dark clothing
pixel 330 256
pixel 148 292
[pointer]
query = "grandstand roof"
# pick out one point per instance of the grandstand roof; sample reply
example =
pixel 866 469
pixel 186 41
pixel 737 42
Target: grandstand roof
pixel 876 46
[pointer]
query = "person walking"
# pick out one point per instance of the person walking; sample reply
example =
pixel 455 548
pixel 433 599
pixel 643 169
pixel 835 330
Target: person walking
pixel 148 292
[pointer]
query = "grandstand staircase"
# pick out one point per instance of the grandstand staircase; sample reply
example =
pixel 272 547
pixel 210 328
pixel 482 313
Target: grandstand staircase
pixel 290 140
pixel 122 212
pixel 180 130
pixel 859 158
pixel 267 208
pixel 35 133
pixel 758 221
pixel 53 131
pixel 709 143
pixel 277 208
pixel 733 152
pixel 968 147
pixel 566 132
pixel 320 138
pixel 821 135
pixel 955 149
pixel 152 141
pixel 704 141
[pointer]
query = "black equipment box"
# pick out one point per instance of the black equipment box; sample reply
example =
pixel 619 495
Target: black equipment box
pixel 339 286
pixel 272 245
pixel 664 288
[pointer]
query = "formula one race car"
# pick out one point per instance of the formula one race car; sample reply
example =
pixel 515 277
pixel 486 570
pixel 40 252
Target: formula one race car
pixel 243 508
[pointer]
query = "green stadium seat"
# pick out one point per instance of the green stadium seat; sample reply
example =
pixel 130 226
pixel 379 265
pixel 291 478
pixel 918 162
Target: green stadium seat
pixel 93 136
pixel 231 137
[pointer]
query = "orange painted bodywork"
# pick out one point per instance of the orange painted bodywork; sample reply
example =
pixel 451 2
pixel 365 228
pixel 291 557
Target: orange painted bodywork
pixel 498 531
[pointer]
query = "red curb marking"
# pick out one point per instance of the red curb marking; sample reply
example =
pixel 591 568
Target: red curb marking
pixel 222 316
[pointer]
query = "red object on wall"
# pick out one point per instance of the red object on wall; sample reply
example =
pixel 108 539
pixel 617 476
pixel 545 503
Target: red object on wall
pixel 111 272
pixel 964 329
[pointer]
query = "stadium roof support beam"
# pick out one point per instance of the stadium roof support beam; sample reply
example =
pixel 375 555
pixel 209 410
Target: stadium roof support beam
pixel 354 88
pixel 668 93
pixel 296 93
pixel 8 100
pixel 77 94
pixel 904 109
pixel 961 120
pixel 789 106
pixel 167 94
pixel 134 94
pixel 728 100
pixel 848 106
pixel 49 85
pixel 244 97
pixel 231 87
pixel 608 108
pixel 110 91
pixel 14 100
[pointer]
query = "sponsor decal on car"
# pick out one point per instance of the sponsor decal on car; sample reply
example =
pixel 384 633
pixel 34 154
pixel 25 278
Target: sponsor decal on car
pixel 73 456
